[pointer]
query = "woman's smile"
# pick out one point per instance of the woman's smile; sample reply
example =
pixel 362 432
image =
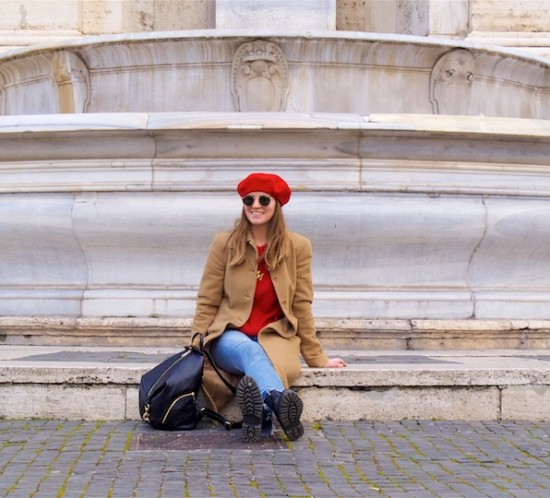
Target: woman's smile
pixel 257 217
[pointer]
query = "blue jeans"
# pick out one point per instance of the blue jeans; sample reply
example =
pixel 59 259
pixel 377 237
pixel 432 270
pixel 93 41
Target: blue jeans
pixel 238 353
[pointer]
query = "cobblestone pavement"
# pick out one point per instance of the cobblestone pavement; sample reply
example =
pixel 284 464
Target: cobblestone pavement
pixel 59 459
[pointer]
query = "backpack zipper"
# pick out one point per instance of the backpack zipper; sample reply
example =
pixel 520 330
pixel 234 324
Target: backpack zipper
pixel 183 355
pixel 174 402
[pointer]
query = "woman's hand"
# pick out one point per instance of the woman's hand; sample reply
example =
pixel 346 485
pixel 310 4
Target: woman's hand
pixel 335 363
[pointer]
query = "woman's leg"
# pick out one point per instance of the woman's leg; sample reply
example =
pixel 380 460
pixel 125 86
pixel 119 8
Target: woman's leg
pixel 237 353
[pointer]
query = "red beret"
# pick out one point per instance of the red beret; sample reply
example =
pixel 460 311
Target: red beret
pixel 265 182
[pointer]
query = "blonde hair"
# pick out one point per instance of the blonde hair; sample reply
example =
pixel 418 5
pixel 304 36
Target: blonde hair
pixel 277 239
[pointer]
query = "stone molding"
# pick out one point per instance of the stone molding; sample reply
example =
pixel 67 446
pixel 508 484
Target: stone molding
pixel 521 23
pixel 410 216
pixel 159 152
pixel 71 76
pixel 360 334
pixel 194 72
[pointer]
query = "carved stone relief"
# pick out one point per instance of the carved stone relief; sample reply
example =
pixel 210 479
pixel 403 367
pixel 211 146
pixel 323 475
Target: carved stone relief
pixel 70 76
pixel 451 82
pixel 259 77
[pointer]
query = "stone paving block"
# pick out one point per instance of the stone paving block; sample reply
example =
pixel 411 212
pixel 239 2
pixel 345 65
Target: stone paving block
pixel 408 458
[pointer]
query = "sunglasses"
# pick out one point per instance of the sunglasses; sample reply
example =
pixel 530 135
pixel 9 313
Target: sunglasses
pixel 264 200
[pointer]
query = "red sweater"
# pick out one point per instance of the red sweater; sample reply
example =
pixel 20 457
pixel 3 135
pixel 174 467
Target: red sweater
pixel 266 308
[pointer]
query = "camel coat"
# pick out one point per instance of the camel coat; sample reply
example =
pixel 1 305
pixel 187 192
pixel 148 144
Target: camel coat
pixel 226 295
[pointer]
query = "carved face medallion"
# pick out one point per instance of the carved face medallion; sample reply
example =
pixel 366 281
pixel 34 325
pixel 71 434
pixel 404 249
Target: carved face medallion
pixel 451 81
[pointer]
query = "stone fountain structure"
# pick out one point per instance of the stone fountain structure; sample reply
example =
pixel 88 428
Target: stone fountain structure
pixel 420 170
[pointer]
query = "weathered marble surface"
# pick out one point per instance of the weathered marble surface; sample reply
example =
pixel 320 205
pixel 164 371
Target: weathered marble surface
pixel 513 23
pixel 325 71
pixel 410 216
pixel 419 166
pixel 251 14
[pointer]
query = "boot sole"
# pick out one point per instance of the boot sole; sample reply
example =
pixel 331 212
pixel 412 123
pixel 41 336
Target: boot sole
pixel 250 402
pixel 290 411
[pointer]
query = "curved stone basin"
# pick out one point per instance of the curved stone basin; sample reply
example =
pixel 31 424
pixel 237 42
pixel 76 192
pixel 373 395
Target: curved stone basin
pixel 410 216
pixel 420 171
pixel 216 71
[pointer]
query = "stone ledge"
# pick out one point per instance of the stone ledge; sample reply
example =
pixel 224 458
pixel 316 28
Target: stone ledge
pixel 66 383
pixel 384 375
pixel 361 334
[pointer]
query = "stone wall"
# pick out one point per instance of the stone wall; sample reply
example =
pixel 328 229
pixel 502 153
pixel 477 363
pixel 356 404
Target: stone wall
pixel 419 164
pixel 410 216
pixel 513 23
pixel 353 73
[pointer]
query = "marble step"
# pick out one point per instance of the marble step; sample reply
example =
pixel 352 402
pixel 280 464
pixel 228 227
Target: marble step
pixel 101 383
pixel 363 334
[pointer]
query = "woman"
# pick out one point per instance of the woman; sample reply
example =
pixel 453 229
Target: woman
pixel 254 306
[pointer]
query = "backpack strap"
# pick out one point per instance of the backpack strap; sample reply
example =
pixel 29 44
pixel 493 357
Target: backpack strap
pixel 204 352
pixel 211 414
pixel 207 412
pixel 230 386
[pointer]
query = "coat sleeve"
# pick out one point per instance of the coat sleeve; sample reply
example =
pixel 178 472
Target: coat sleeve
pixel 310 345
pixel 210 291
